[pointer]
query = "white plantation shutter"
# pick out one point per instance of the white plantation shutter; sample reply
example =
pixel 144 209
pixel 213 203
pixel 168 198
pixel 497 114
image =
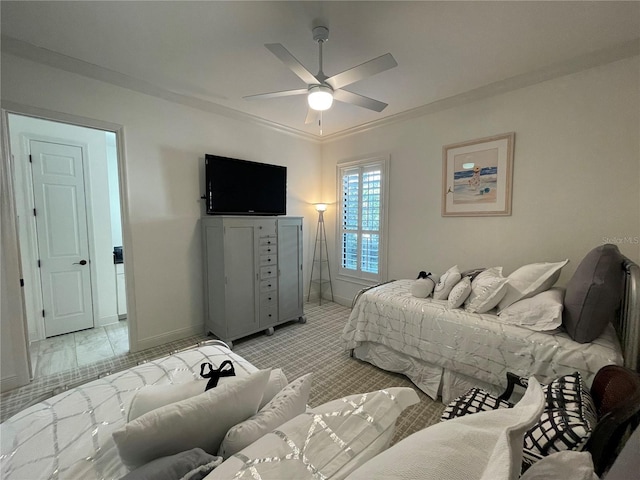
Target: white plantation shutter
pixel 361 218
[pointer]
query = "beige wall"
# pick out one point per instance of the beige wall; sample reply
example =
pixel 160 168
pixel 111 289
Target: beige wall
pixel 576 176
pixel 165 145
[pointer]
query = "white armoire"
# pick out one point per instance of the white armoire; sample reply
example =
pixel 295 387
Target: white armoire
pixel 253 274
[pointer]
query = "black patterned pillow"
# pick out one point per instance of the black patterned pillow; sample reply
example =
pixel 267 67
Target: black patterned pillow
pixel 474 401
pixel 566 423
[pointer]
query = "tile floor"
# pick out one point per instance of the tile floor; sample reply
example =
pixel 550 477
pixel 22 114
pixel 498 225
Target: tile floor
pixel 66 352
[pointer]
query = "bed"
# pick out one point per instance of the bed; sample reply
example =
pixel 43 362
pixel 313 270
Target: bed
pixel 70 435
pixel 446 351
pixel 90 431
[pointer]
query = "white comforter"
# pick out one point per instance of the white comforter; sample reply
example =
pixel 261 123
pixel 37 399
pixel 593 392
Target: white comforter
pixel 476 345
pixel 69 435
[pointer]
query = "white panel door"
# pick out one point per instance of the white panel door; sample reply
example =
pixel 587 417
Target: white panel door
pixel 63 244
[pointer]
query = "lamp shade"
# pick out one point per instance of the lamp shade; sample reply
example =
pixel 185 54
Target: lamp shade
pixel 320 97
pixel 320 207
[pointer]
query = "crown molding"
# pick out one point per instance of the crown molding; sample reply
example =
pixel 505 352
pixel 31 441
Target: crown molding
pixel 577 64
pixel 53 59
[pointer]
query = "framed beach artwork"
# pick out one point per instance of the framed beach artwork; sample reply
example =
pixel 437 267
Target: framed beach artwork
pixel 476 177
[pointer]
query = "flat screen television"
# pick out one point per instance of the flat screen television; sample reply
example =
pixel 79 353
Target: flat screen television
pixel 241 187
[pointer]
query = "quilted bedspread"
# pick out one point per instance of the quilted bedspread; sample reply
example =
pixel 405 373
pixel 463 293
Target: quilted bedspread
pixel 477 345
pixel 69 435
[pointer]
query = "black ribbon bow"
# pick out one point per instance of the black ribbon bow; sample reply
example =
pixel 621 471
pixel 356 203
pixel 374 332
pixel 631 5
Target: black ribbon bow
pixel 215 375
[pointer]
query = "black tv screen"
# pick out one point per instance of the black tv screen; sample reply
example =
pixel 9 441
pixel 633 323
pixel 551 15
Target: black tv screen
pixel 241 187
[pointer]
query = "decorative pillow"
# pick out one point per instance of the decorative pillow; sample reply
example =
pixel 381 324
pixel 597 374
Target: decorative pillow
pixel 328 441
pixel 290 402
pixel 487 289
pixel 593 293
pixel 151 397
pixel 485 446
pixel 422 287
pixel 277 381
pixel 541 312
pixel 199 421
pixel 566 423
pixel 473 273
pixel 562 466
pixel 530 280
pixel 194 464
pixel 459 293
pixel 568 419
pixel 447 281
pixel 474 401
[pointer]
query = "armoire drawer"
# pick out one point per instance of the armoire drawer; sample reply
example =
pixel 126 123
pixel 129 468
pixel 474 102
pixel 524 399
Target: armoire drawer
pixel 268 315
pixel 268 260
pixel 268 285
pixel 270 271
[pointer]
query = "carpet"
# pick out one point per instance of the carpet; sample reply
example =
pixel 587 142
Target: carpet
pixel 315 347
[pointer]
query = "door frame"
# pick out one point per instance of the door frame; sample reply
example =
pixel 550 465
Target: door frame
pixel 7 107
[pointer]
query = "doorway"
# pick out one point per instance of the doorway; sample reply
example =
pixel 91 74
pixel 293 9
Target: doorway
pixel 69 227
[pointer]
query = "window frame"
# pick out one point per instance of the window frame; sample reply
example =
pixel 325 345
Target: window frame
pixel 358 276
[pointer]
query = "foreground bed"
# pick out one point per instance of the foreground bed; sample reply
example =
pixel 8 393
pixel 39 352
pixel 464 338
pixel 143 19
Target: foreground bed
pixel 70 435
pixel 446 351
pixel 253 424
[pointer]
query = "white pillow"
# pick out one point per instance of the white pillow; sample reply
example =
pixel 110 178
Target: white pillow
pixel 485 446
pixel 328 441
pixel 422 287
pixel 459 293
pixel 290 402
pixel 199 421
pixel 564 465
pixel 541 312
pixel 447 281
pixel 529 280
pixel 151 397
pixel 487 289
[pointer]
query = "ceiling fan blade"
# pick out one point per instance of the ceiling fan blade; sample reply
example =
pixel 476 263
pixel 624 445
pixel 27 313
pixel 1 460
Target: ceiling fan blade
pixel 290 61
pixel 377 65
pixel 312 116
pixel 284 93
pixel 360 100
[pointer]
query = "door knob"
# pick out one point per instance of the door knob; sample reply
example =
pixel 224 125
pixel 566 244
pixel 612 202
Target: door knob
pixel 81 262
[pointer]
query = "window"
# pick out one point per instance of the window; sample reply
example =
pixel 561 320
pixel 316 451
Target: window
pixel 362 220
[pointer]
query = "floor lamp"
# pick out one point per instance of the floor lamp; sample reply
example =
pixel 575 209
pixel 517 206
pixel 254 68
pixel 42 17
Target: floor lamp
pixel 319 257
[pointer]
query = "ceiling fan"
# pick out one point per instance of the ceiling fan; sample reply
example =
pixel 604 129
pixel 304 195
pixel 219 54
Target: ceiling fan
pixel 322 90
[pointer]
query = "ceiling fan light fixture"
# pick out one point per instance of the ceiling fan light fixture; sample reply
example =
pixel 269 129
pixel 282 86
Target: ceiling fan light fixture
pixel 320 97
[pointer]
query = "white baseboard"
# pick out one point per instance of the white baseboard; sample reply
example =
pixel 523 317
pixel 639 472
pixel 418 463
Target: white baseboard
pixel 109 319
pixel 164 338
pixel 345 302
pixel 9 383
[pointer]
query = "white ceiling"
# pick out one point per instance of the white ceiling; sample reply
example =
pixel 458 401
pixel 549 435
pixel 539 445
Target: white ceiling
pixel 212 53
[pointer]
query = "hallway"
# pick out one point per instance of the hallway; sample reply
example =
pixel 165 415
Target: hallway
pixel 66 352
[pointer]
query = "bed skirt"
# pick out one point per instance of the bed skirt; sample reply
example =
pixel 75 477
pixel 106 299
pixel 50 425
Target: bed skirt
pixel 432 379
